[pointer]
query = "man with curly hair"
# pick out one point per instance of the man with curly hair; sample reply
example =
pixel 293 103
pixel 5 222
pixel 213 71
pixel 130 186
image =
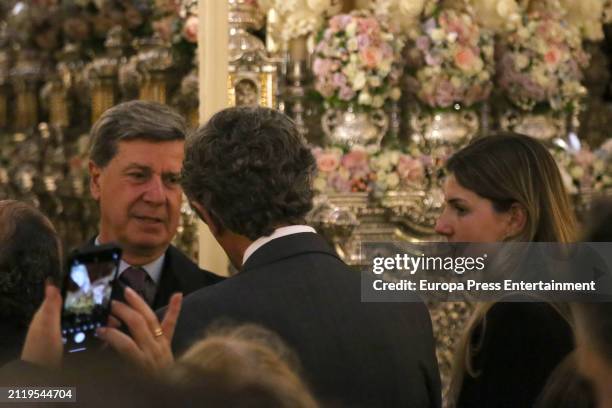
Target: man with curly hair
pixel 29 254
pixel 248 174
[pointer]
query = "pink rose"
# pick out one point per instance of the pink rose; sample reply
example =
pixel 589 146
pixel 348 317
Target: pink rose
pixel 410 169
pixel 553 56
pixel 371 56
pixel 321 66
pixel 355 158
pixel 325 87
pixel 327 162
pixel 465 59
pixel 368 25
pixel 190 29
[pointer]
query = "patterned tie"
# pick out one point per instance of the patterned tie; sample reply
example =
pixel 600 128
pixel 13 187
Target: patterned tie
pixel 138 279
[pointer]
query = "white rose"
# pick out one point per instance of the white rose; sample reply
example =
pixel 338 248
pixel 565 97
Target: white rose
pixel 384 68
pixel 506 7
pixel 352 45
pixel 395 94
pixel 351 29
pixel 350 70
pixel 393 180
pixel 593 31
pixel 364 98
pixel 577 172
pixel 319 6
pixel 411 8
pixel 484 76
pixel 359 81
pixel 320 184
pixel 521 61
pixel 374 81
pixel 394 156
pixel 567 180
pixel 381 177
pixel 378 101
pixel 437 34
pixel 452 37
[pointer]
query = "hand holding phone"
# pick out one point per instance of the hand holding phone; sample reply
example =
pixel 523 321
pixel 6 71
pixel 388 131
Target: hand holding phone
pixel 87 294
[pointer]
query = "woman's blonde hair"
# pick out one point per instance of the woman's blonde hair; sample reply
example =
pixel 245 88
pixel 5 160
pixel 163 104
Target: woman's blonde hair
pixel 245 358
pixel 509 168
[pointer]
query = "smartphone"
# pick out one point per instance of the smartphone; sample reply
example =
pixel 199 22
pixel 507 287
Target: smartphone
pixel 87 291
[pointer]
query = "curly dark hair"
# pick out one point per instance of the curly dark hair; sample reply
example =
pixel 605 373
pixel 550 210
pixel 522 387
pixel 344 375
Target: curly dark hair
pixel 29 254
pixel 251 169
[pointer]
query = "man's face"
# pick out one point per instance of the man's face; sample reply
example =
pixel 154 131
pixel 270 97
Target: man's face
pixel 140 196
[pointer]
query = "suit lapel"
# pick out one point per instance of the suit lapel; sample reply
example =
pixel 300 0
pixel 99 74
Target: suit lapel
pixel 286 247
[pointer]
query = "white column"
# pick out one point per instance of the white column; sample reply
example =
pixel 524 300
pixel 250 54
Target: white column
pixel 213 60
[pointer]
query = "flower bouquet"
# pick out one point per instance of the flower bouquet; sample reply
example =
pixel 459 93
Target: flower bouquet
pixel 452 63
pixel 585 170
pixel 340 172
pixel 396 170
pixel 354 62
pixel 540 64
pixel 299 17
pixel 360 171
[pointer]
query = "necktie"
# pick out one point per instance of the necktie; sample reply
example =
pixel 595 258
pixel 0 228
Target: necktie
pixel 138 279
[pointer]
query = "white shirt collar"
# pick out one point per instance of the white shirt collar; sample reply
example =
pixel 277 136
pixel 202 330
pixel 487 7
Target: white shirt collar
pixel 278 233
pixel 153 269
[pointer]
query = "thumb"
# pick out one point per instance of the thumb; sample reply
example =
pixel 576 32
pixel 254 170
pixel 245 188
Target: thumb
pixel 43 343
pixel 51 307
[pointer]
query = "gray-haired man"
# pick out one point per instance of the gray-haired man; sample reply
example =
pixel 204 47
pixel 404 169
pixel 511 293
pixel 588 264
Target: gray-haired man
pixel 135 162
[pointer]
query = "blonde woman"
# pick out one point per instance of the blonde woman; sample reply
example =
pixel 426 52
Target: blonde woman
pixel 507 187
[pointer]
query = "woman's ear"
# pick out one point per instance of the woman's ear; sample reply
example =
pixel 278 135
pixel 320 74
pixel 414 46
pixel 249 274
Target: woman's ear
pixel 517 220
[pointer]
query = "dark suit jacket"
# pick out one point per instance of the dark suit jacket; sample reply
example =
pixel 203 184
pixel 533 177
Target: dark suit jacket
pixel 352 353
pixel 521 345
pixel 179 274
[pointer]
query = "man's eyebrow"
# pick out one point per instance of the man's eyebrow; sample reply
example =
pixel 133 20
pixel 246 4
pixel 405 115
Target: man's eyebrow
pixel 137 166
pixel 454 200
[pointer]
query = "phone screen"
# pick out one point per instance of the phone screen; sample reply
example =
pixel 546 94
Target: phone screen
pixel 87 294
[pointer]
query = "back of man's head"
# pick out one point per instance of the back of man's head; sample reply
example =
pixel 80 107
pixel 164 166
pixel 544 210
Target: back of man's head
pixel 29 254
pixel 251 170
pixel 133 120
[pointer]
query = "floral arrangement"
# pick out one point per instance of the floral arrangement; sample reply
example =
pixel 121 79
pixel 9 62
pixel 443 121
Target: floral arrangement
pixel 407 14
pixel 587 16
pixel 452 62
pixel 496 15
pixel 584 169
pixel 361 171
pixel 355 59
pixel 299 17
pixel 540 63
pixel 176 21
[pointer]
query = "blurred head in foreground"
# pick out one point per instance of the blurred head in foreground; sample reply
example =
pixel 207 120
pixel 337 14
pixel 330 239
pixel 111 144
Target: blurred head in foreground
pixel 29 254
pixel 594 320
pixel 249 366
